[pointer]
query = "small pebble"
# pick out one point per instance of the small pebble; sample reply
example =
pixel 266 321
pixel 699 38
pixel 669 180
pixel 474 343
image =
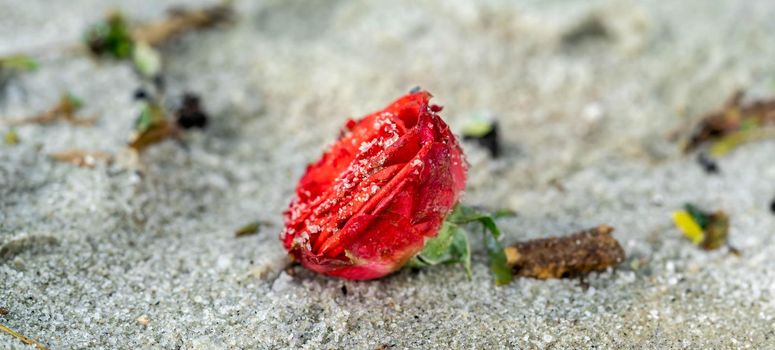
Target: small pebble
pixel 707 163
pixel 143 320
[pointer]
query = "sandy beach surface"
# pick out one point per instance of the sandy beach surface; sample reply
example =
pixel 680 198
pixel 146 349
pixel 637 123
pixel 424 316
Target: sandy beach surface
pixel 586 94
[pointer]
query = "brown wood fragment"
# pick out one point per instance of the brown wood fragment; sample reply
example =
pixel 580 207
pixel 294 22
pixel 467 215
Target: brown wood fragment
pixel 81 158
pixel 570 256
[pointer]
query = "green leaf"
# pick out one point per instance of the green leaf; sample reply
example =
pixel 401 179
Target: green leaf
pixel 111 38
pixel 498 263
pixel 461 248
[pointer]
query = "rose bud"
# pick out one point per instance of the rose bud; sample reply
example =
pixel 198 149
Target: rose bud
pixel 378 193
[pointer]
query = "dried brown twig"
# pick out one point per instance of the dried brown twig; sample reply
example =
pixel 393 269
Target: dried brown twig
pixel 24 339
pixel 560 257
pixel 81 158
pixel 65 109
pixel 181 20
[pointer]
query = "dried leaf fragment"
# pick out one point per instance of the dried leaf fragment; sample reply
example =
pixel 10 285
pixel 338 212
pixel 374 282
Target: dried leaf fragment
pixel 81 158
pixel 152 126
pixel 560 257
pixel 734 124
pixel 249 229
pixel 182 20
pixel 705 229
pixel 65 109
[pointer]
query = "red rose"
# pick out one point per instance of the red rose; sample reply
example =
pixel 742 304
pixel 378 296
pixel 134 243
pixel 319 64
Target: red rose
pixel 369 204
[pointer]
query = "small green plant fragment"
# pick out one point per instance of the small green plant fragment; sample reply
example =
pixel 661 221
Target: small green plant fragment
pixel 477 127
pixel 485 133
pixel 689 226
pixel 155 124
pixel 249 229
pixel 698 215
pixel 146 60
pixel 708 230
pixel 152 126
pixel 22 63
pixel 111 38
pixel 11 138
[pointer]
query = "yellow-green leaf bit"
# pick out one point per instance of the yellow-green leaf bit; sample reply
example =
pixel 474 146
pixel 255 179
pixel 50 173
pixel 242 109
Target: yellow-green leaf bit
pixel 705 229
pixel 22 63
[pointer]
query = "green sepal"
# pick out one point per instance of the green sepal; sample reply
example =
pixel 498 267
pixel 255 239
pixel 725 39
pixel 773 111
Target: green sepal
pixel 451 245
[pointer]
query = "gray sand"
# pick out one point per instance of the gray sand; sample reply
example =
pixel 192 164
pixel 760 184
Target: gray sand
pixel 103 258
